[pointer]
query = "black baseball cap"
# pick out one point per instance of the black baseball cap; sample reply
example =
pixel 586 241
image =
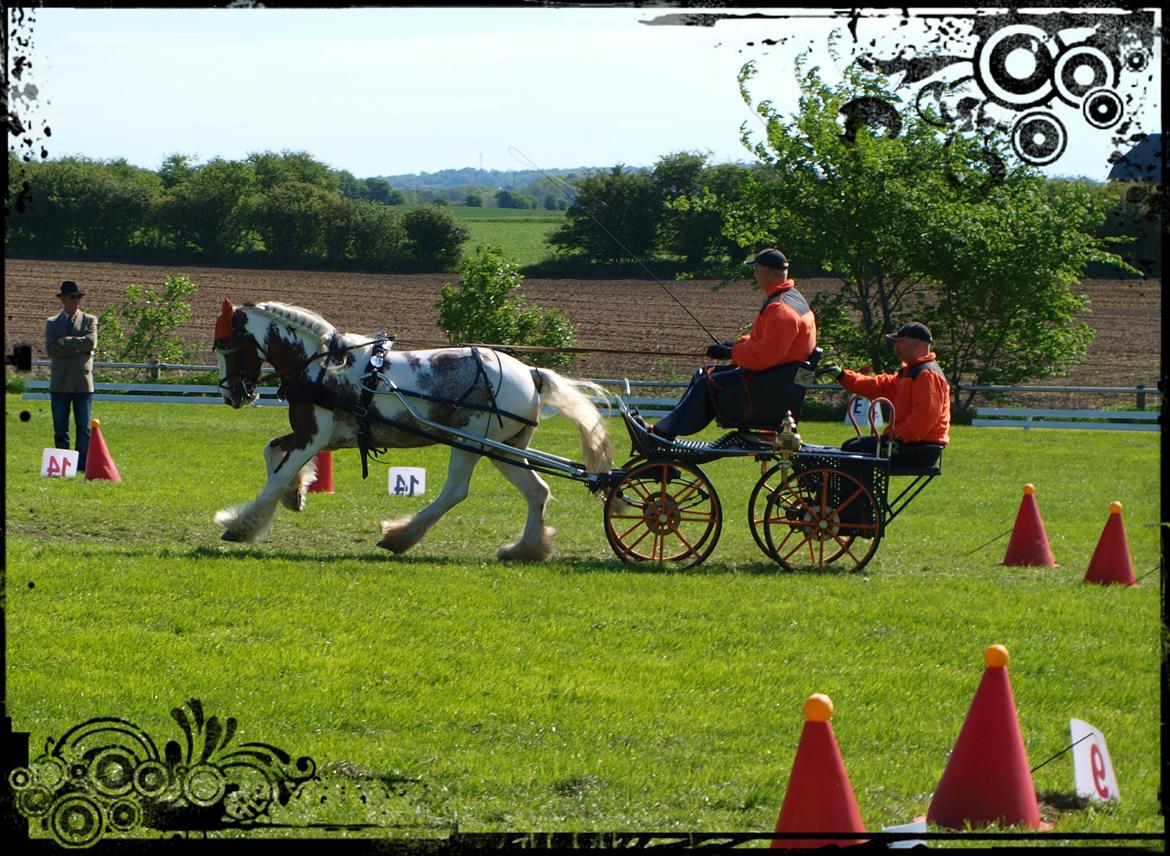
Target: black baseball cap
pixel 770 258
pixel 913 330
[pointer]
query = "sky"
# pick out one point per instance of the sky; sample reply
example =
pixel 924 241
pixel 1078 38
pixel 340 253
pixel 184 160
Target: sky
pixel 386 91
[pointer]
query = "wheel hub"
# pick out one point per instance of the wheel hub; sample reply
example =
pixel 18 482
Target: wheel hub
pixel 661 515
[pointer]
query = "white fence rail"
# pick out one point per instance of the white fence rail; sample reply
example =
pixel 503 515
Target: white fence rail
pixel 655 405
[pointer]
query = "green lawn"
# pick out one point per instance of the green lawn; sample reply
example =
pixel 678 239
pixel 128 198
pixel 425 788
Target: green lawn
pixel 578 693
pixel 519 232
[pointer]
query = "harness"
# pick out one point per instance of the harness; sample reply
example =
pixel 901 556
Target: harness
pixel 372 380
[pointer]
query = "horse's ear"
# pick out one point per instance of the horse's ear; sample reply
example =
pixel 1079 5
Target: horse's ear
pixel 223 324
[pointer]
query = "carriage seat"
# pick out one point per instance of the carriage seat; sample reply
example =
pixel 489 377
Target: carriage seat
pixel 918 459
pixel 773 393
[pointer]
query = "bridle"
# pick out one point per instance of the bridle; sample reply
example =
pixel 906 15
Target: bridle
pixel 247 375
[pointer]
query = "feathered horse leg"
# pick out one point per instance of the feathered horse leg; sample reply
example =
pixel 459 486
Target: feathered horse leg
pixel 286 457
pixel 400 535
pixel 536 542
pixel 293 497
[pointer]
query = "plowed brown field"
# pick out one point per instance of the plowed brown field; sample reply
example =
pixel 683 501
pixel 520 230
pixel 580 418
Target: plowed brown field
pixel 630 316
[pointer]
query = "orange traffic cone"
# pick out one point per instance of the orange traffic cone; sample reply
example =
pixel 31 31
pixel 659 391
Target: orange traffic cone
pixel 324 482
pixel 1111 562
pixel 819 797
pixel 987 778
pixel 1029 543
pixel 98 463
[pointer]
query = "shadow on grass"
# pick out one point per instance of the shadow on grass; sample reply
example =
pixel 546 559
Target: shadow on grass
pixel 566 565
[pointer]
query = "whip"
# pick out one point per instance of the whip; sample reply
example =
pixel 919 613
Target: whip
pixel 523 158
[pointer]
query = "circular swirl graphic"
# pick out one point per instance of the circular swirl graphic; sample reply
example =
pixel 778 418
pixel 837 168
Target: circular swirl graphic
pixel 125 815
pixel 76 821
pixel 35 802
pixel 48 771
pixel 20 778
pixel 1039 138
pixel 1014 66
pixel 112 772
pixel 204 785
pixel 1081 69
pixel 1103 108
pixel 151 779
pixel 1136 60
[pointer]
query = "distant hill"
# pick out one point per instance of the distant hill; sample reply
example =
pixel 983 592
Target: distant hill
pixel 496 178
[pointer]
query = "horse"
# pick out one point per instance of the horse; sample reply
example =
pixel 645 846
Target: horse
pixel 341 393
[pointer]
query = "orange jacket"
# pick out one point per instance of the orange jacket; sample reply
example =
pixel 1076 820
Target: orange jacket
pixel 921 396
pixel 785 331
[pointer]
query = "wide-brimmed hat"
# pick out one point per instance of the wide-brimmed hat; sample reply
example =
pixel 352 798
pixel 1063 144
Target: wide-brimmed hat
pixel 770 258
pixel 69 288
pixel 913 330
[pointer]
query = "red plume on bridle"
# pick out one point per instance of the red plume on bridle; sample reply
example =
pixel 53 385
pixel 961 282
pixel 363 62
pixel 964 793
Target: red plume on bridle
pixel 223 324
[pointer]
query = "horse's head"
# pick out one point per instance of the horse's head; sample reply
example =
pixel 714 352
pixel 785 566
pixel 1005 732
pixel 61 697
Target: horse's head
pixel 238 355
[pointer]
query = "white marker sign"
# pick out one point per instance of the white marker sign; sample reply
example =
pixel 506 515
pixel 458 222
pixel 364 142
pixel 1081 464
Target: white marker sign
pixel 408 481
pixel 59 463
pixel 860 411
pixel 1091 764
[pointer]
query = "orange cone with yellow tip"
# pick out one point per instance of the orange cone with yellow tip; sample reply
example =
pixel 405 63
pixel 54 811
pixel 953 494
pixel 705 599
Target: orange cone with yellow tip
pixel 98 463
pixel 819 798
pixel 987 778
pixel 1029 543
pixel 1112 562
pixel 324 482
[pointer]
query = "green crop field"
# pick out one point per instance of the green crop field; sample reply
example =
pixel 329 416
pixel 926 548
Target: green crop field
pixel 444 689
pixel 519 232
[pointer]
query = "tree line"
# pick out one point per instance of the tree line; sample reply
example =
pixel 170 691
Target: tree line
pixel 285 208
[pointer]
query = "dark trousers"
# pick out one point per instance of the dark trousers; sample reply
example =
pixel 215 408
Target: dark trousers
pixel 82 406
pixel 695 410
pixel 908 454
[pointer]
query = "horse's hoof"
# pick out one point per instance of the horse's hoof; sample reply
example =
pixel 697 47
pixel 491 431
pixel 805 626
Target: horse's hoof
pixel 230 536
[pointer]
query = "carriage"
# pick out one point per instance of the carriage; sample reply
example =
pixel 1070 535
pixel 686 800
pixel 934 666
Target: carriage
pixel 813 506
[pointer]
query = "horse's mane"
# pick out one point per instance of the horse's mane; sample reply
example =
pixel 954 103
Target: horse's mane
pixel 295 316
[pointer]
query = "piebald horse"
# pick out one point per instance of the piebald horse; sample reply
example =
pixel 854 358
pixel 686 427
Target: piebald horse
pixel 332 380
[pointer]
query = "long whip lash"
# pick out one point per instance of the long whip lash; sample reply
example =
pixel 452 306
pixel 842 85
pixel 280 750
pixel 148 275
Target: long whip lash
pixel 560 185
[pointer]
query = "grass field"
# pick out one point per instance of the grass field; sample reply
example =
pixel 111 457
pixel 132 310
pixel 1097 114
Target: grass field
pixel 519 232
pixel 579 693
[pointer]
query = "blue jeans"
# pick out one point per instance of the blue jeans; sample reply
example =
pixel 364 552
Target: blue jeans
pixel 82 404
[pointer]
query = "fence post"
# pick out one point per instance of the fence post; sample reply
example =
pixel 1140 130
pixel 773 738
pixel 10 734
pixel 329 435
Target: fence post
pixel 154 370
pixel 1141 396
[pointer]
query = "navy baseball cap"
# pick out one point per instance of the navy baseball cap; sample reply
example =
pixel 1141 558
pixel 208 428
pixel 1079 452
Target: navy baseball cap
pixel 913 330
pixel 770 258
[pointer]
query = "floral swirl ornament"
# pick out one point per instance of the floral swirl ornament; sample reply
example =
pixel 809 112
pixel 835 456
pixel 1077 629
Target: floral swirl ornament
pixel 108 777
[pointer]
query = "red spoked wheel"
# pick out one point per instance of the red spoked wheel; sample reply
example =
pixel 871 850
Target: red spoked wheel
pixel 820 516
pixel 758 501
pixel 661 512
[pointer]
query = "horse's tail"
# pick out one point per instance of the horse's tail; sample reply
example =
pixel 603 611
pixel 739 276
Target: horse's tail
pixel 567 396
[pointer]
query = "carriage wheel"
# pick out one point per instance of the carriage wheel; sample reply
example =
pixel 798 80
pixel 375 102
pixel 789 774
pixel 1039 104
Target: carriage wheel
pixel 757 506
pixel 664 513
pixel 820 516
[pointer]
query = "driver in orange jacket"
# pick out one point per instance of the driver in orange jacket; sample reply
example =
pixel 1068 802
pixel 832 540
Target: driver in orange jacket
pixel 919 391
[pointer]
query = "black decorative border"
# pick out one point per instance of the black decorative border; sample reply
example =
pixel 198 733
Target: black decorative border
pixel 107 777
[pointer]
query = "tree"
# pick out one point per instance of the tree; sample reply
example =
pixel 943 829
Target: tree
pixel 483 308
pixel 612 209
pixel 434 236
pixel 474 200
pixel 859 195
pixel 992 334
pixel 274 169
pixel 290 218
pixel 209 210
pixel 690 228
pixel 142 327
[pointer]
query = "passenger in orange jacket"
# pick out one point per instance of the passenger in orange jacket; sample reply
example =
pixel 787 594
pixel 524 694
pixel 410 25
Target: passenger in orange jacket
pixel 784 332
pixel 919 391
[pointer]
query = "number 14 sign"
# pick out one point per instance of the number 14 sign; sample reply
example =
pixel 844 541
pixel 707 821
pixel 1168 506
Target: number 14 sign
pixel 408 481
pixel 59 463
